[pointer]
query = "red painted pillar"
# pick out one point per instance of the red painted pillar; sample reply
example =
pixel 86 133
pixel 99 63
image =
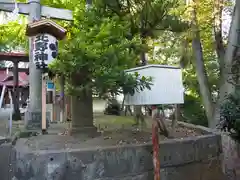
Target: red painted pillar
pixel 44 108
pixel 155 141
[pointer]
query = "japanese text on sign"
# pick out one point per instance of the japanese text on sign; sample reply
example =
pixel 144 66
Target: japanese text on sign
pixel 45 50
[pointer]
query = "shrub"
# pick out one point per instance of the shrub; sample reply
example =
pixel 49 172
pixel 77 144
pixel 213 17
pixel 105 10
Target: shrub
pixel 230 115
pixel 192 111
pixel 113 107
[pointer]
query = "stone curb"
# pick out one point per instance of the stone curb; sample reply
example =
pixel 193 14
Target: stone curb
pixel 22 134
pixel 121 162
pixel 202 128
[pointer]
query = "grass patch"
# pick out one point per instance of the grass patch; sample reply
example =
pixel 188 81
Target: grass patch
pixel 113 121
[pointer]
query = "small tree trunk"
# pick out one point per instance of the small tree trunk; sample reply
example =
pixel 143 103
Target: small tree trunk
pixel 138 115
pixel 232 43
pixel 15 97
pixel 160 117
pixel 220 50
pixel 201 71
pixel 175 119
pixel 143 59
pixel 218 8
pixel 127 108
pixel 122 107
pixel 225 58
pixel 62 99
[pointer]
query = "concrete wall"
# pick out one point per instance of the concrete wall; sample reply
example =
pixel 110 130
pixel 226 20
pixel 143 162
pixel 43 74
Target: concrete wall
pixel 193 158
pixel 231 160
pixel 7 158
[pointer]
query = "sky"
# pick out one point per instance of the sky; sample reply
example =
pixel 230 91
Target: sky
pixel 226 20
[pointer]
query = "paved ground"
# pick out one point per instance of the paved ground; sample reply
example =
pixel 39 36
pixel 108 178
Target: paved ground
pixel 4 121
pixel 5 113
pixel 3 128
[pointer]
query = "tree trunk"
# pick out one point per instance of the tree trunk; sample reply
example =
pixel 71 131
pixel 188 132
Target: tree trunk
pixel 62 99
pixel 225 58
pixel 220 50
pixel 122 106
pixel 176 118
pixel 15 97
pixel 82 112
pixel 232 43
pixel 201 71
pixel 82 104
pixel 159 116
pixel 138 115
pixel 128 109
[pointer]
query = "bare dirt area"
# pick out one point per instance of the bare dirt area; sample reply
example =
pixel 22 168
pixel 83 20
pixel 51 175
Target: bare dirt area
pixel 113 130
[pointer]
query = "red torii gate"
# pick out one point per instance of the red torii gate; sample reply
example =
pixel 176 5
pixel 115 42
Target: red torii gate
pixel 15 58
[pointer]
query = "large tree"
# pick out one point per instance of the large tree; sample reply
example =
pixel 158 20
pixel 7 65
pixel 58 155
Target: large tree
pixel 93 59
pixel 148 19
pixel 225 58
pixel 201 51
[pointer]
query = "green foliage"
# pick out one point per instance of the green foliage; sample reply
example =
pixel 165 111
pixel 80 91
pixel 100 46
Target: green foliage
pixel 131 83
pixel 97 52
pixel 230 114
pixel 13 35
pixel 148 18
pixel 193 111
pixel 176 48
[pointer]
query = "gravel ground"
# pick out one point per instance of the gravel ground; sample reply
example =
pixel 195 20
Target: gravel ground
pixel 107 137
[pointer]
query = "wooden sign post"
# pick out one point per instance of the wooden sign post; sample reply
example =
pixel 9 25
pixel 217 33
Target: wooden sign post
pixel 45 34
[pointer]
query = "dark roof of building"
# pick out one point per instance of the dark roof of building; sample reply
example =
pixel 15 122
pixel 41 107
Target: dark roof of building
pixel 7 78
pixel 22 57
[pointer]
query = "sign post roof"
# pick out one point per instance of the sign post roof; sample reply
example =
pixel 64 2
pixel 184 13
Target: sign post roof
pixel 46 26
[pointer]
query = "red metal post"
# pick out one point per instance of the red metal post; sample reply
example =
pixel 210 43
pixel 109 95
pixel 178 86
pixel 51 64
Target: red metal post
pixel 155 141
pixel 44 109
